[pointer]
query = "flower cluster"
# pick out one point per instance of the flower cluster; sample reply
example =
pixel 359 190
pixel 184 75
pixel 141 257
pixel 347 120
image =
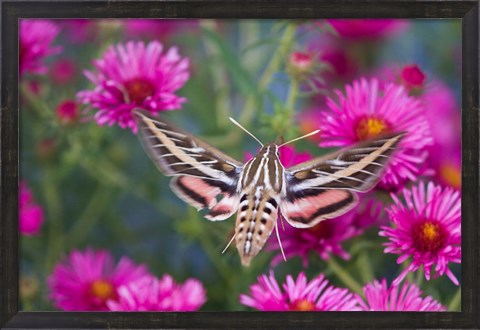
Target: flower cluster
pixel 298 295
pixel 91 281
pixel 30 214
pixel 380 297
pixel 317 295
pixel 35 44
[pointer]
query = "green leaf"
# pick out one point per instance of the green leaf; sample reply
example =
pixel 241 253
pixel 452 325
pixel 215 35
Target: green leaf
pixel 240 76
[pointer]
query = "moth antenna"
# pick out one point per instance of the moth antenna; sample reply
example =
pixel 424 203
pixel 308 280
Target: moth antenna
pixel 243 128
pixel 226 247
pixel 279 241
pixel 283 225
pixel 299 138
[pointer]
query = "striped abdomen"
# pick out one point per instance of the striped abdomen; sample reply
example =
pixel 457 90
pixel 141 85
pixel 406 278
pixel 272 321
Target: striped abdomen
pixel 256 219
pixel 262 182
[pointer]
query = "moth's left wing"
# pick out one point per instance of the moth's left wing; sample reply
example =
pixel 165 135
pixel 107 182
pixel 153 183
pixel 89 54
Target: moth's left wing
pixel 204 177
pixel 326 187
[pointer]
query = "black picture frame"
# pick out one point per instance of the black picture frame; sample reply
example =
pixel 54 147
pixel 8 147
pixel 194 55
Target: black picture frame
pixel 11 11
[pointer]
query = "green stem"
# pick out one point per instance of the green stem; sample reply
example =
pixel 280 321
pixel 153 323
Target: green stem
pixel 345 277
pixel 39 107
pixel 286 43
pixel 419 277
pixel 90 216
pixel 456 302
pixel 219 81
pixel 206 242
pixel 291 99
pixel 251 105
pixel 56 236
pixel 365 267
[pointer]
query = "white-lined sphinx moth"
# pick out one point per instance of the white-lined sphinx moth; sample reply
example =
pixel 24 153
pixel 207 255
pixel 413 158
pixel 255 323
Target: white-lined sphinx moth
pixel 306 194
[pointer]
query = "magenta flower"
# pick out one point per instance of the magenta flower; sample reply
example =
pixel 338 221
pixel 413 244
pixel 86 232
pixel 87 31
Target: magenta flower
pixel 29 213
pixel 359 29
pixel 85 281
pixel 412 76
pixel 407 298
pixel 152 294
pixel 444 116
pixel 343 66
pixel 427 229
pixel 35 44
pixel 316 295
pixel 290 157
pixel 443 113
pixel 326 238
pixel 135 75
pixel 447 164
pixel 364 111
pixel 67 111
pixel 62 71
pixel 80 30
pixel 156 28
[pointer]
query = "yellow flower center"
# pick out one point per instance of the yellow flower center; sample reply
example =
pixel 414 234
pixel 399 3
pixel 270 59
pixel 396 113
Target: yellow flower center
pixel 371 127
pixel 103 290
pixel 302 305
pixel 139 89
pixel 451 175
pixel 428 236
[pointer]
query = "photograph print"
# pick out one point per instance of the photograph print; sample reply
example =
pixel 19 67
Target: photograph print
pixel 184 165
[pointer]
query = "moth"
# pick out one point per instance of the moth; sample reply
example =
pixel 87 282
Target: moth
pixel 305 194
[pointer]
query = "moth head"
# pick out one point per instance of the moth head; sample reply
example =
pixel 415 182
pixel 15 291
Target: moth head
pixel 271 149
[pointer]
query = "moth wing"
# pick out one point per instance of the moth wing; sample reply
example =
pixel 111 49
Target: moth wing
pixel 326 187
pixel 307 211
pixel 204 177
pixel 202 193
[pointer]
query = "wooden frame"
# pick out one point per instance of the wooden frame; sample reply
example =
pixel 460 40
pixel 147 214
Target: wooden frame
pixel 11 11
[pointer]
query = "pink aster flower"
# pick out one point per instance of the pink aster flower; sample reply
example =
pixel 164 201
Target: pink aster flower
pixel 67 111
pixel 443 113
pixel 156 28
pixel 299 295
pixel 62 71
pixel 359 29
pixel 30 214
pixel 35 44
pixel 343 66
pixel 412 76
pixel 379 297
pixel 85 281
pixel 135 75
pixel 367 110
pixel 427 229
pixel 444 116
pixel 326 238
pixel 152 294
pixel 447 164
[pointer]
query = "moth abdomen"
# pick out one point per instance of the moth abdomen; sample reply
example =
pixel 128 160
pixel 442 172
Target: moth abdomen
pixel 255 221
